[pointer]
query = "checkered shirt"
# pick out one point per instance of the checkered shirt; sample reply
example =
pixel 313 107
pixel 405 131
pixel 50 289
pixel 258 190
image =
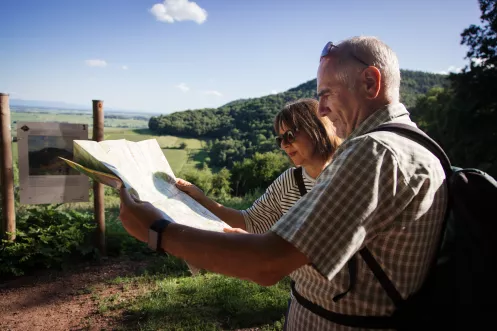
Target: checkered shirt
pixel 381 190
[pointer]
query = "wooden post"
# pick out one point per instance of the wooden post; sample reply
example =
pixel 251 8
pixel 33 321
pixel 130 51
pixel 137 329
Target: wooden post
pixel 98 189
pixel 6 171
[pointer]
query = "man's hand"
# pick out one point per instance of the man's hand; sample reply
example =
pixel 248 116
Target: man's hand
pixel 190 189
pixel 262 258
pixel 137 216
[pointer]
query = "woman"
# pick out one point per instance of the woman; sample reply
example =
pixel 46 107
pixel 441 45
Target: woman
pixel 309 141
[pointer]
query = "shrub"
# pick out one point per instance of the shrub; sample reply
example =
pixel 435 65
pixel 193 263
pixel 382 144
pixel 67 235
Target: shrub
pixel 47 238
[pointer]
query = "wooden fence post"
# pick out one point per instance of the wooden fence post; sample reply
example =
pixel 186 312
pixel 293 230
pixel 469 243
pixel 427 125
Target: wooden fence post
pixel 98 189
pixel 7 171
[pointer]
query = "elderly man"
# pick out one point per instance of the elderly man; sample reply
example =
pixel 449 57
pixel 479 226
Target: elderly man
pixel 382 191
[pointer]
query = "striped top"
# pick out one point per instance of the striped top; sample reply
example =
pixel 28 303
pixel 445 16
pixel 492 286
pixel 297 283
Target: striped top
pixel 280 196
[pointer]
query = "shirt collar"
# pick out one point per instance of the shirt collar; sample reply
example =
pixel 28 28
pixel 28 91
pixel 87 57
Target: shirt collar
pixel 388 113
pixel 307 176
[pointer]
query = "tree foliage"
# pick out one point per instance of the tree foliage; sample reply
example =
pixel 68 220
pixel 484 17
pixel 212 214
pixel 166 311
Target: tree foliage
pixel 257 172
pixel 463 117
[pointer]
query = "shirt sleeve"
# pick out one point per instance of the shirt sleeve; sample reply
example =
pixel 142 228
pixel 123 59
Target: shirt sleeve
pixel 266 210
pixel 355 197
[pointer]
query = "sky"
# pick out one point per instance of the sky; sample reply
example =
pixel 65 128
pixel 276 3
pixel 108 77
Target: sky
pixel 166 56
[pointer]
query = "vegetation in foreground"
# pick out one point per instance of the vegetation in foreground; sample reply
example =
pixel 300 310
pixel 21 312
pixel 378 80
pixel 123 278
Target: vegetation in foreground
pixel 164 296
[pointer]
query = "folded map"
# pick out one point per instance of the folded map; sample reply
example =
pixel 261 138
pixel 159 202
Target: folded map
pixel 142 168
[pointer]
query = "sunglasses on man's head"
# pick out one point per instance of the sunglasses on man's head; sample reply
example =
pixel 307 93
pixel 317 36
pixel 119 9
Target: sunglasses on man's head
pixel 329 46
pixel 288 137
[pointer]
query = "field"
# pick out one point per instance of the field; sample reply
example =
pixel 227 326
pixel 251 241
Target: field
pixel 178 158
pixel 137 291
pixel 122 126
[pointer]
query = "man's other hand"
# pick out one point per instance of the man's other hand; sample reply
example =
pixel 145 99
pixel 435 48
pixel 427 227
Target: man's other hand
pixel 137 216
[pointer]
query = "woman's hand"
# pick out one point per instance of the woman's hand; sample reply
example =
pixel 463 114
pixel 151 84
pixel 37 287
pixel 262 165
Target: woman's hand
pixel 189 189
pixel 234 230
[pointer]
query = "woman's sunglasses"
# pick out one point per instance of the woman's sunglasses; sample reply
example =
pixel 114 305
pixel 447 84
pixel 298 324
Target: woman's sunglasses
pixel 288 137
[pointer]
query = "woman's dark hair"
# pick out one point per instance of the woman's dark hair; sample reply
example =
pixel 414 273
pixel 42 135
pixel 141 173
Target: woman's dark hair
pixel 302 115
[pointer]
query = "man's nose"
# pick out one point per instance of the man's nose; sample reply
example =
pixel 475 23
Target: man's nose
pixel 321 107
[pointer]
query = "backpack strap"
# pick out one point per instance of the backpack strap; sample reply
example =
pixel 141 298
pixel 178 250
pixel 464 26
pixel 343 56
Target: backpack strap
pixel 352 264
pixel 423 139
pixel 355 321
pixel 297 174
pixel 382 277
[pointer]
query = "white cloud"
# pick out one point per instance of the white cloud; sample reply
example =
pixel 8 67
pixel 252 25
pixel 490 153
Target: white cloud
pixel 477 61
pixel 96 63
pixel 274 92
pixel 183 87
pixel 178 10
pixel 125 67
pixel 213 92
pixel 453 69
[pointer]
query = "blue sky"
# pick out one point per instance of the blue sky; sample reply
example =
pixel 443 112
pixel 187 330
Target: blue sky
pixel 165 56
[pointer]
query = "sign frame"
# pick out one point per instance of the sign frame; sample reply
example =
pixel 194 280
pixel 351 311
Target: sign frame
pixel 52 182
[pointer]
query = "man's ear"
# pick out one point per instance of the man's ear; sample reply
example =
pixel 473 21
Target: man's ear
pixel 371 78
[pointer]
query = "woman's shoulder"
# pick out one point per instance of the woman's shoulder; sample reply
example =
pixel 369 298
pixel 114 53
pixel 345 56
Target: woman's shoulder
pixel 286 175
pixel 285 180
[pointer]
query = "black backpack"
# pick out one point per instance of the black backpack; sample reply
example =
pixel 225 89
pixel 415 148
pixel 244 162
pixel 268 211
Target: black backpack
pixel 460 291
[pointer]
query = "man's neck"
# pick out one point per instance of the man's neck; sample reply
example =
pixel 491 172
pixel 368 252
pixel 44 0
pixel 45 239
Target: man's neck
pixel 367 110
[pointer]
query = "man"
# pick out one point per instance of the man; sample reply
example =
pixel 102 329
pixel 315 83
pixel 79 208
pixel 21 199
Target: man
pixel 382 191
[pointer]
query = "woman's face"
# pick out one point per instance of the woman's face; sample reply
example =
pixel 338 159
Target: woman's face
pixel 301 150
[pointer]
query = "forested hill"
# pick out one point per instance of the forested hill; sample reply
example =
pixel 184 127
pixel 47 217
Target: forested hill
pixel 242 128
pixel 256 115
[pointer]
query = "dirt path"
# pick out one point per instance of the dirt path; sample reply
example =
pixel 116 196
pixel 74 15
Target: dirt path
pixel 63 301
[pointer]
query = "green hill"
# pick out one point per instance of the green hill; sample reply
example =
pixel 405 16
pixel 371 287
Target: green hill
pixel 243 127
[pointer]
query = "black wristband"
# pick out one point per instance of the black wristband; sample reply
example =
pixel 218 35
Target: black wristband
pixel 155 234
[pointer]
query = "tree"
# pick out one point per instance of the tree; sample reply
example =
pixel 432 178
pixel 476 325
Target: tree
pixel 482 40
pixel 475 89
pixel 257 172
pixel 463 116
pixel 221 183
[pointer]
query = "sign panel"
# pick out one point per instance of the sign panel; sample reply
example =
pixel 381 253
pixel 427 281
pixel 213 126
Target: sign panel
pixel 44 177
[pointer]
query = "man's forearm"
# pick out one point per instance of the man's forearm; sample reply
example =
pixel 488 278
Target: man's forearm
pixel 231 216
pixel 264 259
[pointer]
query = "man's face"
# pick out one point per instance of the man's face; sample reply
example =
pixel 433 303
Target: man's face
pixel 336 101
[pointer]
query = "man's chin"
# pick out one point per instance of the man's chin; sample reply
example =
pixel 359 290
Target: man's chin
pixel 339 129
pixel 340 132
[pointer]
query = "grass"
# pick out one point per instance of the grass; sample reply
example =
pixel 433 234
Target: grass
pixel 167 297
pixel 177 158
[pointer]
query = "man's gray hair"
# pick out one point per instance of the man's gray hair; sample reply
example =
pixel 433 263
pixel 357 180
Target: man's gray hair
pixel 375 53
